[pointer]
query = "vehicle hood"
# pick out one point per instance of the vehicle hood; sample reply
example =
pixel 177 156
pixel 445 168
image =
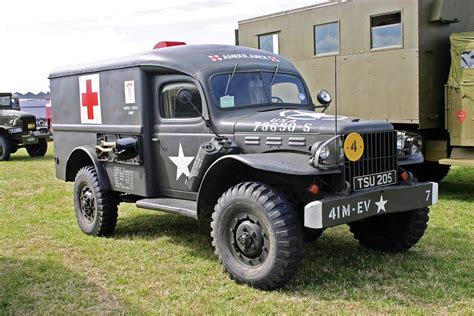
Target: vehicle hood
pixel 292 121
pixel 14 114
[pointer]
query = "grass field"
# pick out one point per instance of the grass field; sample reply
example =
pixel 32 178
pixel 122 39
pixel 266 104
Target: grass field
pixel 160 263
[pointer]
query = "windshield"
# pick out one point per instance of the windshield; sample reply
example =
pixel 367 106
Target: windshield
pixel 5 102
pixel 257 88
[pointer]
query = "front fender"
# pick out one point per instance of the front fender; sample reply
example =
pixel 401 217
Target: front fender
pixel 225 172
pixel 280 162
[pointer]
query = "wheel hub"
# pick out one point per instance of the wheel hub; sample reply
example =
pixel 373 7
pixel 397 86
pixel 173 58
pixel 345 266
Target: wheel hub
pixel 87 204
pixel 249 238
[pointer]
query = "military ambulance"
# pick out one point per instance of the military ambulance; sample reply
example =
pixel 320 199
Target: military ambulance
pixel 231 133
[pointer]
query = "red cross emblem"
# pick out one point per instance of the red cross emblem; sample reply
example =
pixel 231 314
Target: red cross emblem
pixel 90 99
pixel 461 114
pixel 215 57
pixel 89 95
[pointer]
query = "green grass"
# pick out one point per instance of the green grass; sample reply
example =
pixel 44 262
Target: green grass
pixel 160 263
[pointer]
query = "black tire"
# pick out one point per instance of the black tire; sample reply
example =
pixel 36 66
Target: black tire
pixel 429 171
pixel 5 148
pixel 96 209
pixel 255 234
pixel 395 232
pixel 38 150
pixel 311 235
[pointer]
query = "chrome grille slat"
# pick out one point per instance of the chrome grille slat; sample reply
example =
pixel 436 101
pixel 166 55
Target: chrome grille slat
pixel 379 156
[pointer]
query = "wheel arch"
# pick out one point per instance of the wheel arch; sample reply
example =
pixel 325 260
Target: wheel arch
pixel 214 184
pixel 85 156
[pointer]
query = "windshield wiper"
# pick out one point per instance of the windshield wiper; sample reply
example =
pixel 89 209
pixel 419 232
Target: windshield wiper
pixel 230 78
pixel 274 75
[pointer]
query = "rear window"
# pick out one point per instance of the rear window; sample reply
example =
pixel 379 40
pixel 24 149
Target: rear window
pixel 386 30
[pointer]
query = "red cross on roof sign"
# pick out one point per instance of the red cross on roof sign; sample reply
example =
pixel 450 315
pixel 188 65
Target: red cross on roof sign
pixel 89 98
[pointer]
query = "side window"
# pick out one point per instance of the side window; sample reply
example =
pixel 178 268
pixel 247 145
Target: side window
pixel 170 107
pixel 467 60
pixel 269 42
pixel 386 30
pixel 326 38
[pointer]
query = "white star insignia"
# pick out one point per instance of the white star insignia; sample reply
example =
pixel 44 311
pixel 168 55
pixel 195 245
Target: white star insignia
pixel 181 163
pixel 381 204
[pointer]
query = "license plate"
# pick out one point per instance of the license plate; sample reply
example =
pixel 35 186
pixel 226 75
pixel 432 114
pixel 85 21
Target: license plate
pixel 375 180
pixel 31 125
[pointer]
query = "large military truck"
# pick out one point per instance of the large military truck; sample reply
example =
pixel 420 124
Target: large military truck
pixel 386 60
pixel 19 130
pixel 231 133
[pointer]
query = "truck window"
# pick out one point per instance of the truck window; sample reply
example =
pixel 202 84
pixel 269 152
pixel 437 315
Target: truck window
pixel 326 38
pixel 268 42
pixel 172 108
pixel 253 89
pixel 467 60
pixel 5 102
pixel 386 30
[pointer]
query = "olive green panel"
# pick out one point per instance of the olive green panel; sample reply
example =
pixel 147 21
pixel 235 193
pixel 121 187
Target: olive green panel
pixel 296 42
pixel 319 74
pixel 426 28
pixel 460 113
pixel 389 89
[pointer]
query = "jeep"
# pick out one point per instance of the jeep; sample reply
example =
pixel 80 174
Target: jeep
pixel 232 134
pixel 20 130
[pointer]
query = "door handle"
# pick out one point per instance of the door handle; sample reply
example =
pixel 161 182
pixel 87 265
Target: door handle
pixel 155 139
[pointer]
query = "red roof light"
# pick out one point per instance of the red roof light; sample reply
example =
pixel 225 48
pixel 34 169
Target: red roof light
pixel 168 44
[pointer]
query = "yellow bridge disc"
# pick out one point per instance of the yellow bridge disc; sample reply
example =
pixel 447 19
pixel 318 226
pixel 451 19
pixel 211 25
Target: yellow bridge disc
pixel 354 146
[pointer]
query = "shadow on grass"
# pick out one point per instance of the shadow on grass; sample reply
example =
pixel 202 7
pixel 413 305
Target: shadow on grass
pixel 336 266
pixel 462 191
pixel 194 235
pixel 33 286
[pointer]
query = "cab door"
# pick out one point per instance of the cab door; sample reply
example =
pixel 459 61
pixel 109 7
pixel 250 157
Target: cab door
pixel 178 132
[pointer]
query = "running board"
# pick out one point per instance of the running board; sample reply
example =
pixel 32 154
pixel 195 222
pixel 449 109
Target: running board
pixel 168 205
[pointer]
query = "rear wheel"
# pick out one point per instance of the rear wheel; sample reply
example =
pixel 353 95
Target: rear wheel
pixel 394 232
pixel 38 150
pixel 96 209
pixel 5 148
pixel 256 236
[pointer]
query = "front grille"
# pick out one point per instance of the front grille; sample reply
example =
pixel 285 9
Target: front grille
pixel 28 124
pixel 380 155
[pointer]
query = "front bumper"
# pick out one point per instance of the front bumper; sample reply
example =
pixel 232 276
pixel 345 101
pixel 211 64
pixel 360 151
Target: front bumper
pixel 339 210
pixel 34 138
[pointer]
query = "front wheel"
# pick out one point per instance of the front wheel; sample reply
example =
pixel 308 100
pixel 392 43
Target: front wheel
pixel 38 150
pixel 256 236
pixel 5 148
pixel 96 209
pixel 393 232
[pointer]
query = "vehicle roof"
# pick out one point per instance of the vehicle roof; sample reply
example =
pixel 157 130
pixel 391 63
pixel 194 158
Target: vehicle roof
pixel 187 59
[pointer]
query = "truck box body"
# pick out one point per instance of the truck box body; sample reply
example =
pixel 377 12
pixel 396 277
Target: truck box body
pixel 403 83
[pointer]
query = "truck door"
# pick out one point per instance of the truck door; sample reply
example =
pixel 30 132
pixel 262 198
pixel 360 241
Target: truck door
pixel 178 132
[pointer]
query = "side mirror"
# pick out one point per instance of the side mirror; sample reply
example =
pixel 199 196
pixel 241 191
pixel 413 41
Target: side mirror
pixel 324 98
pixel 184 96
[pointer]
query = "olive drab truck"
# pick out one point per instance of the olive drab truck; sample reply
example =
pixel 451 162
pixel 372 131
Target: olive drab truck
pixel 19 129
pixel 232 134
pixel 386 60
